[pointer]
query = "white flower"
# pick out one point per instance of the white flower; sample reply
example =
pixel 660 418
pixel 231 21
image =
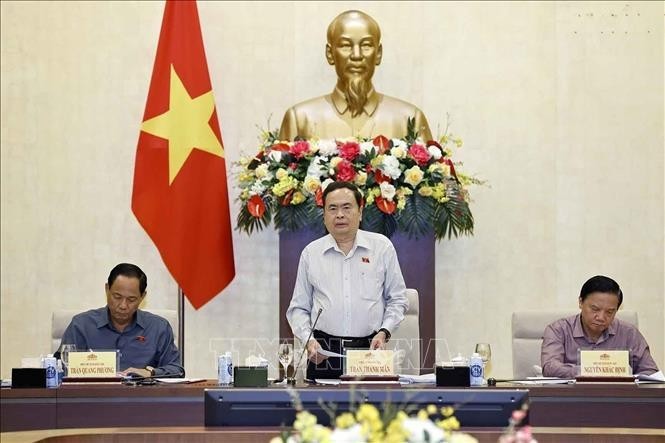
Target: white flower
pixel 275 156
pixel 325 184
pixel 417 428
pixel 353 434
pixel 366 147
pixel 387 190
pixel 398 152
pixel 261 171
pixel 257 188
pixel 390 167
pixel 315 169
pixel 328 147
pixel 413 176
pixel 399 143
pixel 435 152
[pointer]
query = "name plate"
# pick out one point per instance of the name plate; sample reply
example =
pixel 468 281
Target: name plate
pixel 366 362
pixel 93 364
pixel 605 364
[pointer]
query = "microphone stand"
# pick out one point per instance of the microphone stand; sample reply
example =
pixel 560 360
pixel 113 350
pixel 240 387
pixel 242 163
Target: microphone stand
pixel 304 349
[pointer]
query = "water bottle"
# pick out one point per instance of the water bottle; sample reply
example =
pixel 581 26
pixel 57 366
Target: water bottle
pixel 50 364
pixel 225 369
pixel 476 370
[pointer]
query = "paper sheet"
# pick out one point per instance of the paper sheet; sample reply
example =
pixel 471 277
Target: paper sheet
pixel 425 378
pixel 544 381
pixel 179 380
pixel 657 377
pixel 330 354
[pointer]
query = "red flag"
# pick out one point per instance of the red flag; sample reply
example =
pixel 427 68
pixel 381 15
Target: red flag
pixel 180 194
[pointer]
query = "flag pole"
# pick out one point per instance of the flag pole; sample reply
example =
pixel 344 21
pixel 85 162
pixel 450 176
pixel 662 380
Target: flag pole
pixel 181 325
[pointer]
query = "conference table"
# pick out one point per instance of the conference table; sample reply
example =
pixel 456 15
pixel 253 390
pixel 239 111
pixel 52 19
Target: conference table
pixel 113 405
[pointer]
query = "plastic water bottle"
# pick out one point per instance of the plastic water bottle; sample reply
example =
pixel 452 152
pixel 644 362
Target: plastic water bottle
pixel 50 364
pixel 476 370
pixel 225 369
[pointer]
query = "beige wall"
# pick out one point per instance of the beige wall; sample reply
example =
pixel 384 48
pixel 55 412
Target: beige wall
pixel 560 106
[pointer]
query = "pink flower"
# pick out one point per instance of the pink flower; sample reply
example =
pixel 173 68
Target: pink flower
pixel 299 148
pixel 349 150
pixel 420 154
pixel 345 171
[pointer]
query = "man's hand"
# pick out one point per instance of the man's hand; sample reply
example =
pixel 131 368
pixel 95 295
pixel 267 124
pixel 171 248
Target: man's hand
pixel 379 341
pixel 313 347
pixel 141 372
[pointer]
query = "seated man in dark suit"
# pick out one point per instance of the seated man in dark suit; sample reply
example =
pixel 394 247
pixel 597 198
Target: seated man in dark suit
pixel 593 328
pixel 144 340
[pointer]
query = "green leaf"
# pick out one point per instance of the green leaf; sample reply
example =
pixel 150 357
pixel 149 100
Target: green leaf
pixel 376 221
pixel 417 215
pixel 453 218
pixel 295 217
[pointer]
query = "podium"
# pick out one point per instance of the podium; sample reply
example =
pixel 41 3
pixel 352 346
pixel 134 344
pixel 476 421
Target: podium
pixel 416 258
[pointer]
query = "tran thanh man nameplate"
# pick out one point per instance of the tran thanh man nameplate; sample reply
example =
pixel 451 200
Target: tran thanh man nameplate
pixel 366 362
pixel 93 364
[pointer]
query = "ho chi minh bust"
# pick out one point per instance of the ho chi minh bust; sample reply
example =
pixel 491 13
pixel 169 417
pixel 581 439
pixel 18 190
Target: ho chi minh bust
pixel 354 108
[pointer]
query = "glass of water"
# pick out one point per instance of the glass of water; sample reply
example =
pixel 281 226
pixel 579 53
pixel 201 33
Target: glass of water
pixel 64 356
pixel 285 354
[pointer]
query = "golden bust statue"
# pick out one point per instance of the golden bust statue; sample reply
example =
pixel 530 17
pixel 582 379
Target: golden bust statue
pixel 354 108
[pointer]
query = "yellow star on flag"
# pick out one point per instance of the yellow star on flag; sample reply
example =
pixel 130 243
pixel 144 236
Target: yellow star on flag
pixel 185 125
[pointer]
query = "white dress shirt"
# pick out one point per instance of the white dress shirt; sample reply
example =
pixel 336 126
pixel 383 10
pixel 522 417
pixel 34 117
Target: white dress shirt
pixel 360 293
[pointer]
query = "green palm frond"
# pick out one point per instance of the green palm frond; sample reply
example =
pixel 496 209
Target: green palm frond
pixel 376 221
pixel 294 217
pixel 416 217
pixel 453 218
pixel 248 223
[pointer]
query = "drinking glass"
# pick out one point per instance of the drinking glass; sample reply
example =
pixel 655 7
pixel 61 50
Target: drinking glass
pixel 64 356
pixel 285 354
pixel 485 352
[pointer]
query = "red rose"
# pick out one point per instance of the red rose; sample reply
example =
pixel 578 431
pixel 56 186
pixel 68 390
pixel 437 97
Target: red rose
pixel 299 148
pixel 420 154
pixel 256 207
pixel 282 147
pixel 382 144
pixel 385 206
pixel 345 171
pixel 349 150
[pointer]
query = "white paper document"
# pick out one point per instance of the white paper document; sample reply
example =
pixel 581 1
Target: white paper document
pixel 656 377
pixel 425 378
pixel 544 381
pixel 330 354
pixel 328 381
pixel 180 380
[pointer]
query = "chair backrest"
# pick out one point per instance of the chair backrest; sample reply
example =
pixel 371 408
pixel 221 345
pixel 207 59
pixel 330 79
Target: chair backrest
pixel 528 328
pixel 62 317
pixel 405 341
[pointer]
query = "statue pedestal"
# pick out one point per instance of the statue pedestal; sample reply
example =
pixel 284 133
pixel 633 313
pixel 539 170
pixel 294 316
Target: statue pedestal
pixel 416 258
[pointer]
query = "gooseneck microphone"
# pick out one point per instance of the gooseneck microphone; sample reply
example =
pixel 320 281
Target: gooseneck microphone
pixel 304 349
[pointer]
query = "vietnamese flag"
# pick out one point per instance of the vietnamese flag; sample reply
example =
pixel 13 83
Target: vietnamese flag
pixel 180 194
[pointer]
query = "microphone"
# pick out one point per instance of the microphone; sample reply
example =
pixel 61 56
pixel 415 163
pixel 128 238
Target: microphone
pixel 304 349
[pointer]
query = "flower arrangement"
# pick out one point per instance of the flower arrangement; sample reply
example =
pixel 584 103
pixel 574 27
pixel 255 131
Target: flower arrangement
pixel 408 184
pixel 367 424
